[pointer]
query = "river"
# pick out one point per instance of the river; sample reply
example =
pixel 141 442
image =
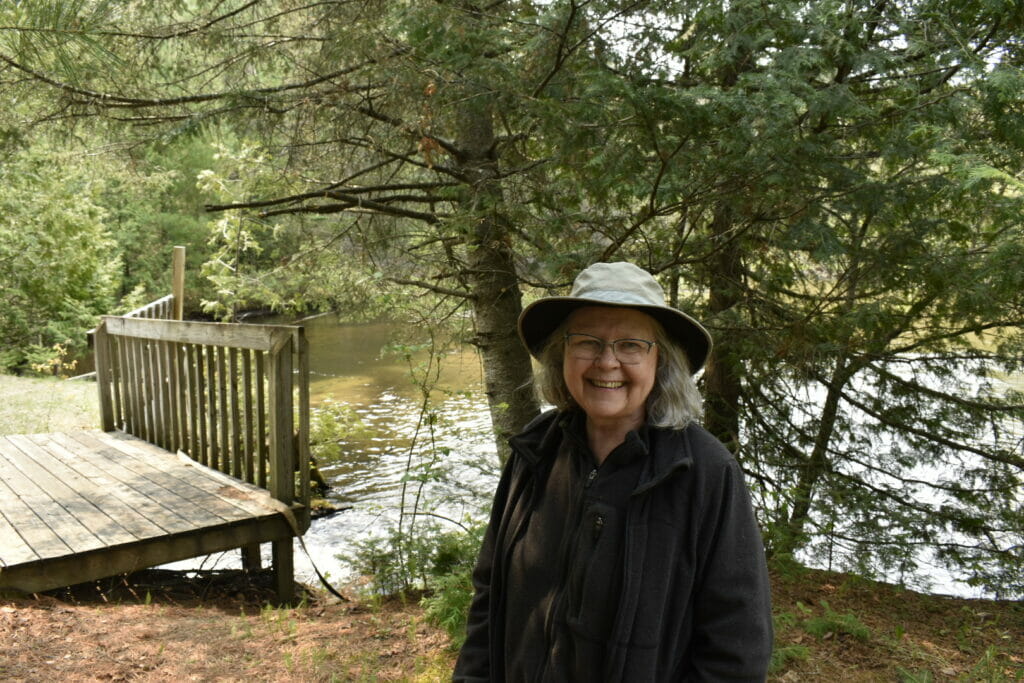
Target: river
pixel 393 444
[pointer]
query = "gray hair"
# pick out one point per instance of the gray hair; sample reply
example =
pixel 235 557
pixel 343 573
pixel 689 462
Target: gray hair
pixel 674 402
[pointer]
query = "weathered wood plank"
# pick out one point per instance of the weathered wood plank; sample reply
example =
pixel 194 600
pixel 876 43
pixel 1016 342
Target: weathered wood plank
pixel 54 516
pixel 95 466
pixel 144 480
pixel 64 571
pixel 96 490
pixel 13 548
pixel 189 482
pixel 196 483
pixel 33 531
pixel 46 472
pixel 257 337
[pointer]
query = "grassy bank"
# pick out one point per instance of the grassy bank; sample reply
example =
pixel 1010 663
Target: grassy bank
pixel 32 405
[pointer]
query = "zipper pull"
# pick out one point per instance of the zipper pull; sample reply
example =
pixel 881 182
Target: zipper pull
pixel 598 527
pixel 591 477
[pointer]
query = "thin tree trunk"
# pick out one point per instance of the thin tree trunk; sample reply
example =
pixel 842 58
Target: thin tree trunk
pixel 722 376
pixel 816 465
pixel 492 280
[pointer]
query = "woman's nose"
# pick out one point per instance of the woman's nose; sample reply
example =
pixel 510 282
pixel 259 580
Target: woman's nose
pixel 607 357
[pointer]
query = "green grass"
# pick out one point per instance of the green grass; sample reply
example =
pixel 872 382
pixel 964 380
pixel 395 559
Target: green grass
pixel 33 405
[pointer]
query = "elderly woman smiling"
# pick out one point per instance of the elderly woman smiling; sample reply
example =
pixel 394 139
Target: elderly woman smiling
pixel 622 545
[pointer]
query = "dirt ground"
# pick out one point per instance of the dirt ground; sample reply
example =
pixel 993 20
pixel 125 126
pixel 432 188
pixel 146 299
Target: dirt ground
pixel 160 626
pixel 217 626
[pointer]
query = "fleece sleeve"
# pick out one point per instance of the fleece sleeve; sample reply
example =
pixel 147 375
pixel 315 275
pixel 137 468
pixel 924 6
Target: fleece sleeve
pixel 732 637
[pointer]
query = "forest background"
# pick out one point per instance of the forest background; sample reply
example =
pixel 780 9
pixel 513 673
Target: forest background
pixel 834 188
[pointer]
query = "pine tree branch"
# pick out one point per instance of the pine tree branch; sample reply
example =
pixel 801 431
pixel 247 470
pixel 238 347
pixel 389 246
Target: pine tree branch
pixel 113 100
pixel 431 287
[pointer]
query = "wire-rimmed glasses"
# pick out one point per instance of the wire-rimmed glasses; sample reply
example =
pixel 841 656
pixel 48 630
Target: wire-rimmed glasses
pixel 588 347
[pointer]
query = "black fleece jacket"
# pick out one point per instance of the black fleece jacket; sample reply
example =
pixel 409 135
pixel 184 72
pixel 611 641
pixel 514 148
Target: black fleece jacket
pixel 694 603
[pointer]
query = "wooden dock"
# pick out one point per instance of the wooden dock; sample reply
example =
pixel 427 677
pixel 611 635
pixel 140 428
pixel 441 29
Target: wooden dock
pixel 204 447
pixel 80 506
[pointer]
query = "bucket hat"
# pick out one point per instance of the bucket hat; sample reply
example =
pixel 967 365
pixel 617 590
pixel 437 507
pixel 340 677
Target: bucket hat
pixel 615 284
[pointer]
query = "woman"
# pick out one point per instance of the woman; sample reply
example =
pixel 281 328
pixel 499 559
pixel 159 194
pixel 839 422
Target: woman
pixel 622 545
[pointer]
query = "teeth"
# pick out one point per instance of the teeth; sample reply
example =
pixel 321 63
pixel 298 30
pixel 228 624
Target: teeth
pixel 606 385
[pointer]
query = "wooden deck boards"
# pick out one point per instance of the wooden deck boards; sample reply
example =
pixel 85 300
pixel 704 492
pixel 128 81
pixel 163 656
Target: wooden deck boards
pixel 79 506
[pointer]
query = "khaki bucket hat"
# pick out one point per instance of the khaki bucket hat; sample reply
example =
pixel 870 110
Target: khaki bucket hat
pixel 615 284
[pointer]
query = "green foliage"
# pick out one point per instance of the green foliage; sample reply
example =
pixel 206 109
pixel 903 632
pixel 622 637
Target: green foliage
pixel 832 623
pixel 422 549
pixel 330 423
pixel 995 667
pixel 430 559
pixel 915 676
pixel 58 268
pixel 786 655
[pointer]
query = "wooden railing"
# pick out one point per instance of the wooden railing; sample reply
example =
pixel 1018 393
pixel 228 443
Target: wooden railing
pixel 232 397
pixel 161 308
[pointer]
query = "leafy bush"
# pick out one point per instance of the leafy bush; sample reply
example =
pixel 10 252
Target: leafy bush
pixel 433 560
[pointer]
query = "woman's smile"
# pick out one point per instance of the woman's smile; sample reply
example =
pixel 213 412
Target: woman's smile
pixel 612 394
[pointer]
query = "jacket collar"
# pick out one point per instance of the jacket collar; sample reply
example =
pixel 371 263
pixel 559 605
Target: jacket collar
pixel 668 449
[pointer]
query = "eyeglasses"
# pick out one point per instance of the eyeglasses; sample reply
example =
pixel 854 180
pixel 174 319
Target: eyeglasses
pixel 588 347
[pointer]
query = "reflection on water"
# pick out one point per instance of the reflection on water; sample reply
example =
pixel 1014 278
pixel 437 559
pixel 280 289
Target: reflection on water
pixel 348 365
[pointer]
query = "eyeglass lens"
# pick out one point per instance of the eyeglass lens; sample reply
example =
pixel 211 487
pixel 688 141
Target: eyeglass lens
pixel 587 347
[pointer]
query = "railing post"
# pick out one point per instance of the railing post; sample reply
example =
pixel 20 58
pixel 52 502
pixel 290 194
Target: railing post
pixel 302 448
pixel 282 453
pixel 282 461
pixel 178 282
pixel 101 349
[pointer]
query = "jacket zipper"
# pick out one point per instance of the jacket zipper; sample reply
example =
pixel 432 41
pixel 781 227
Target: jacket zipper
pixel 558 602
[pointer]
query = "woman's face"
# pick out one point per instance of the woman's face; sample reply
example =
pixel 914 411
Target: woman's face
pixel 611 393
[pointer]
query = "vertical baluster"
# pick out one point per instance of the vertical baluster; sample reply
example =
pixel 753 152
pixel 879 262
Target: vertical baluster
pixel 222 409
pixel 191 393
pixel 176 388
pixel 236 422
pixel 117 372
pixel 165 418
pixel 203 453
pixel 152 376
pixel 302 448
pixel 138 401
pixel 261 420
pixel 250 455
pixel 211 407
pixel 282 460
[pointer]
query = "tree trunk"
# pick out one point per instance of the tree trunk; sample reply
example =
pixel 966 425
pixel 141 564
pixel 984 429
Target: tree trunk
pixel 722 376
pixel 492 280
pixel 816 465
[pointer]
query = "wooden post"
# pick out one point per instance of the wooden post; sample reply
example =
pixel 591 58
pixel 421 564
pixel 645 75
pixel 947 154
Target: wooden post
pixel 282 450
pixel 282 461
pixel 284 570
pixel 178 282
pixel 101 349
pixel 251 560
